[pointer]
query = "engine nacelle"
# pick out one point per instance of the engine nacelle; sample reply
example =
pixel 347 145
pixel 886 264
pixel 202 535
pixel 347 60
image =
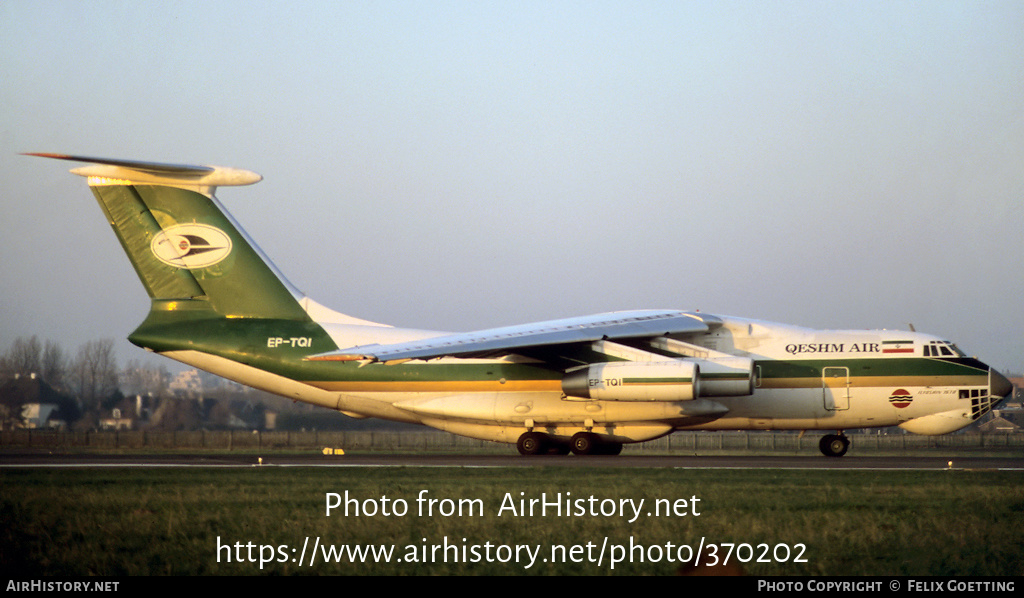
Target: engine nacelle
pixel 675 380
pixel 726 377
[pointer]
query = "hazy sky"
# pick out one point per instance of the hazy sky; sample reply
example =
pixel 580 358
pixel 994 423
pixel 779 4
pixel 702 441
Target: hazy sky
pixel 460 165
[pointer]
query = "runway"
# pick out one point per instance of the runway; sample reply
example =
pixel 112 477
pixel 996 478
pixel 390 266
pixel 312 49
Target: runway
pixel 21 458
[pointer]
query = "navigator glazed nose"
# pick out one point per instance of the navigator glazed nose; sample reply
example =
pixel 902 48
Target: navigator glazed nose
pixel 998 385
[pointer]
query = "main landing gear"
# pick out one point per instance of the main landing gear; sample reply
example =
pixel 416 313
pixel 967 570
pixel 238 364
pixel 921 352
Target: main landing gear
pixel 834 445
pixel 588 443
pixel 538 443
pixel 581 443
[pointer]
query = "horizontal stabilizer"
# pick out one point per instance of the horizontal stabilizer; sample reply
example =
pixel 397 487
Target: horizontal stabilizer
pixel 157 172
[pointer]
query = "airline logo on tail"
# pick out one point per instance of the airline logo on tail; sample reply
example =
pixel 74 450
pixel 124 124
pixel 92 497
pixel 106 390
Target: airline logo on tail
pixel 191 246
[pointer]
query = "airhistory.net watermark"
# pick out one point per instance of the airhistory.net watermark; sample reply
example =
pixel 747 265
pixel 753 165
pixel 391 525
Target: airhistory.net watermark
pixel 49 585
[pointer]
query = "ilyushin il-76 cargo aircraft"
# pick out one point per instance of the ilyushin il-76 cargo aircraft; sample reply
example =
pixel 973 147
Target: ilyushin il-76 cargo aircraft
pixel 587 384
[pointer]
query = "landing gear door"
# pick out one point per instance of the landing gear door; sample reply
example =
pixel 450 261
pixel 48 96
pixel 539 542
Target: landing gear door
pixel 835 384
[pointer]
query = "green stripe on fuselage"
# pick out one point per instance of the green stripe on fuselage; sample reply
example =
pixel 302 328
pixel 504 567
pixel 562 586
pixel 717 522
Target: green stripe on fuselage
pixel 281 346
pixel 655 381
pixel 909 371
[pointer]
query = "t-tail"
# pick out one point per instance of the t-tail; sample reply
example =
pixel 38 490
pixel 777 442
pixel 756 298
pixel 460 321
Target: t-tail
pixel 213 291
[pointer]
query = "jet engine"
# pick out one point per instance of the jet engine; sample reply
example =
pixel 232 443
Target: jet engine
pixel 726 376
pixel 673 380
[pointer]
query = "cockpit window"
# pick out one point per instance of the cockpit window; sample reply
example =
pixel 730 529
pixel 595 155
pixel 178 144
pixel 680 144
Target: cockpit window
pixel 942 349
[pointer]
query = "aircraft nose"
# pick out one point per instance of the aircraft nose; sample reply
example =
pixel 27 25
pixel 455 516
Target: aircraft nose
pixel 998 385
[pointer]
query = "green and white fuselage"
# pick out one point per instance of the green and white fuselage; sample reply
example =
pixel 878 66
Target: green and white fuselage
pixel 589 384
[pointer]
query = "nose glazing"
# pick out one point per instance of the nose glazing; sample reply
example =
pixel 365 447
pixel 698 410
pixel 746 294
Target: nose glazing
pixel 998 385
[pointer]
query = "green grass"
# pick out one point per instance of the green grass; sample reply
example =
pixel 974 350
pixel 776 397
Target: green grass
pixel 168 521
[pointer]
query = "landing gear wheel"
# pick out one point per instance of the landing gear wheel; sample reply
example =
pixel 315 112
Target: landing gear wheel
pixel 532 443
pixel 834 445
pixel 584 443
pixel 611 448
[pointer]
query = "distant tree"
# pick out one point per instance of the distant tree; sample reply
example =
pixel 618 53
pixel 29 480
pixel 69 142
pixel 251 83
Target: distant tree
pixel 25 356
pixel 138 379
pixel 54 366
pixel 108 402
pixel 177 414
pixel 93 375
pixel 219 416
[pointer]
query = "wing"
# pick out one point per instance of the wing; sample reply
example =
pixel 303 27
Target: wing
pixel 512 339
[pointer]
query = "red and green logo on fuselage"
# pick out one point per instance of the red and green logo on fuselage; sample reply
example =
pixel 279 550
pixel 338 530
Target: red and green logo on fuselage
pixel 900 398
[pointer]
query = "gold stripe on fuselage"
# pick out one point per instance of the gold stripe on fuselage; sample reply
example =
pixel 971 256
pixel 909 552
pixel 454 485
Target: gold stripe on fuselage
pixel 452 386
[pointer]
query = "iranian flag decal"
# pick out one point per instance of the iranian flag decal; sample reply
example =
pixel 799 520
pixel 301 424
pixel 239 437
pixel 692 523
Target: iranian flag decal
pixel 897 346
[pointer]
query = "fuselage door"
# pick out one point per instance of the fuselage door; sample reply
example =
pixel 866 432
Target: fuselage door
pixel 835 383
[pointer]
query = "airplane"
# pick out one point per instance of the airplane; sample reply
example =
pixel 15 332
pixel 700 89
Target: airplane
pixel 586 385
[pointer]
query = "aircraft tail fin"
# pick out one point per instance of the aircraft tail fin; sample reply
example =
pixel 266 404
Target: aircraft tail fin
pixel 183 244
